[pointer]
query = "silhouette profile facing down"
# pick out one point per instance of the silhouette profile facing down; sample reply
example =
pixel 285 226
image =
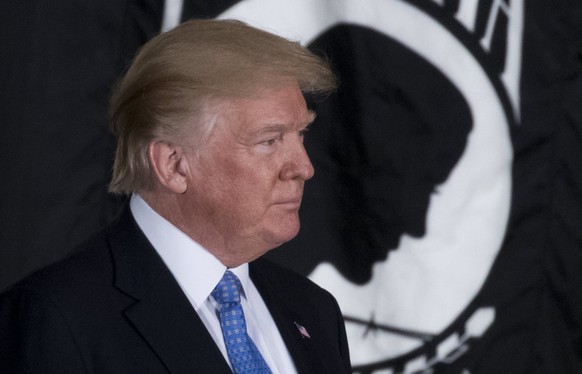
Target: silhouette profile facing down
pixel 381 145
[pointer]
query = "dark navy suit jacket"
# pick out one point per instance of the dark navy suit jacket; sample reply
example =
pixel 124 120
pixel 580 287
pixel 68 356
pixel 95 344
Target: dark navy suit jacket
pixel 114 307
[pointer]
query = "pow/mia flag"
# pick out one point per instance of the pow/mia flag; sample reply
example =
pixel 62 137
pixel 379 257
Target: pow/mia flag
pixel 445 210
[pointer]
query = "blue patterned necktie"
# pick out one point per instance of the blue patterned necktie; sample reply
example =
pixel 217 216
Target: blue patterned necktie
pixel 242 352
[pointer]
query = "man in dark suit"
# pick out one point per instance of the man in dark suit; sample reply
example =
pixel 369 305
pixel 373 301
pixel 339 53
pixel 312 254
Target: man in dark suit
pixel 210 121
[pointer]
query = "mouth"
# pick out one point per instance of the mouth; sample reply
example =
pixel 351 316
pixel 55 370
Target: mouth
pixel 291 204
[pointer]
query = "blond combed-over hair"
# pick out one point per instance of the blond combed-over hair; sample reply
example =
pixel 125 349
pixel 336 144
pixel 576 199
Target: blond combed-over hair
pixel 176 81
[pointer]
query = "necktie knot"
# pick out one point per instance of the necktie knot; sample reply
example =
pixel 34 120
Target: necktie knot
pixel 227 291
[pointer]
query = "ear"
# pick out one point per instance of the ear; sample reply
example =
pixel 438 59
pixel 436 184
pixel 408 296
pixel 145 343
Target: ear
pixel 169 165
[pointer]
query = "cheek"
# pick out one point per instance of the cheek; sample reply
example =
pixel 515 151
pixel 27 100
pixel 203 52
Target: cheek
pixel 243 195
pixel 256 183
pixel 243 188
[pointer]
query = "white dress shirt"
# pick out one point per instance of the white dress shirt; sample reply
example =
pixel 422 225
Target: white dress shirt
pixel 197 272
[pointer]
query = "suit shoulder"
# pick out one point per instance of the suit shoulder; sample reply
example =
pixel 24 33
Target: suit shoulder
pixel 287 279
pixel 81 269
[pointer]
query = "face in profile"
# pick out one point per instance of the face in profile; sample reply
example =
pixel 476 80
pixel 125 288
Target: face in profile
pixel 381 146
pixel 247 179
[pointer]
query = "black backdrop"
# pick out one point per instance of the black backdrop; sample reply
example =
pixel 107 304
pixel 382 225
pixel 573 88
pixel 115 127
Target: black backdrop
pixel 58 62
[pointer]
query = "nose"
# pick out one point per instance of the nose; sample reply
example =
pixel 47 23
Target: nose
pixel 297 164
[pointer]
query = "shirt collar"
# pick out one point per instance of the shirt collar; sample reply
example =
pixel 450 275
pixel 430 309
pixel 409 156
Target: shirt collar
pixel 196 270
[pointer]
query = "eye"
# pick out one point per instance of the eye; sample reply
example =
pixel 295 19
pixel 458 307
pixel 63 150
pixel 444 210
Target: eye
pixel 270 141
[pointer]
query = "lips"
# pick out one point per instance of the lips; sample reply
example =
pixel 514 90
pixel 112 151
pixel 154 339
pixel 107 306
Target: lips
pixel 293 203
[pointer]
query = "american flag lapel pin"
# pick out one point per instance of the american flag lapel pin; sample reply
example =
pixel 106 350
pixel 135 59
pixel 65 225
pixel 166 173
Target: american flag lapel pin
pixel 302 331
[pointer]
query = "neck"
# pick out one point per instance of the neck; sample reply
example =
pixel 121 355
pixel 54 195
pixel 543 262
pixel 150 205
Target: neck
pixel 230 253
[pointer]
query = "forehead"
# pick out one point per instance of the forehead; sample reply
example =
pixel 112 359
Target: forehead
pixel 283 107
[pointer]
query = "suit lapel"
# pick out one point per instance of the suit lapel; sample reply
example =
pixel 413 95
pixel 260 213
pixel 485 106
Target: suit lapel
pixel 286 316
pixel 162 314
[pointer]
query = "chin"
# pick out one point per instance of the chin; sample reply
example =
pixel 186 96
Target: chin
pixel 284 233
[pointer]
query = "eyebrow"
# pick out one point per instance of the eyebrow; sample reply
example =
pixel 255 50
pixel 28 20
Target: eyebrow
pixel 281 127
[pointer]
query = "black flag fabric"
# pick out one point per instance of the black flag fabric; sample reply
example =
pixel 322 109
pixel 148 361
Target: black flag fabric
pixel 59 62
pixel 446 207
